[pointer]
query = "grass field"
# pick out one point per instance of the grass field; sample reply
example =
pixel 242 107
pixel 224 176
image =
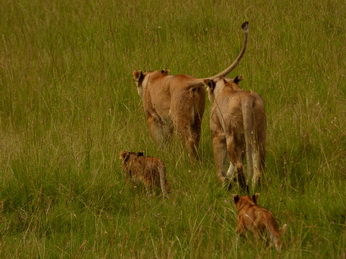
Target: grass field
pixel 68 105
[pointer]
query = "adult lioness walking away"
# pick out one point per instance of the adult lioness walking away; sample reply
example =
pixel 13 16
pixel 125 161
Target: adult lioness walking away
pixel 238 126
pixel 176 102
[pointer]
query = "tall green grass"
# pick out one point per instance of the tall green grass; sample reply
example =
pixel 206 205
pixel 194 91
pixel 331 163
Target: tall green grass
pixel 68 105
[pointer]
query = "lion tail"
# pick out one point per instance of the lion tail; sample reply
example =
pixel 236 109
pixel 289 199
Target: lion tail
pixel 247 111
pixel 163 181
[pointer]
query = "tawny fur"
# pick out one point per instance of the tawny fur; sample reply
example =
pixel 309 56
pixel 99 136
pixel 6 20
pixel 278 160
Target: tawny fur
pixel 176 103
pixel 147 170
pixel 238 127
pixel 256 219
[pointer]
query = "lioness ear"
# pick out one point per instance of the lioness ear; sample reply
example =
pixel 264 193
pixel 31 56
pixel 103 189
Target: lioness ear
pixel 140 153
pixel 137 74
pixel 209 84
pixel 255 197
pixel 165 71
pixel 236 198
pixel 237 79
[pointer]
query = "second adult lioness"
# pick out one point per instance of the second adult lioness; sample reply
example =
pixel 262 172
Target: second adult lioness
pixel 238 126
pixel 176 103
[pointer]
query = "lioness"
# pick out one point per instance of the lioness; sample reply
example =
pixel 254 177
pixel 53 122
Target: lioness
pixel 145 169
pixel 238 125
pixel 176 102
pixel 252 217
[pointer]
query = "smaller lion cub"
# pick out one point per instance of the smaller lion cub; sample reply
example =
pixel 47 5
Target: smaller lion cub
pixel 145 169
pixel 257 219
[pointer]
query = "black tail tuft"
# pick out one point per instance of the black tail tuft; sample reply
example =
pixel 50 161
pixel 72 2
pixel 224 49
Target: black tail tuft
pixel 245 25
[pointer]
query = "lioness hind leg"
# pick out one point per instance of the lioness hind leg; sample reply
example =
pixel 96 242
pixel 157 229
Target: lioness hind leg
pixel 184 132
pixel 235 152
pixel 233 157
pixel 194 135
pixel 189 135
pixel 259 154
pixel 167 132
pixel 220 156
pixel 189 142
pixel 191 147
pixel 240 176
pixel 258 158
pixel 256 168
pixel 230 171
pixel 161 133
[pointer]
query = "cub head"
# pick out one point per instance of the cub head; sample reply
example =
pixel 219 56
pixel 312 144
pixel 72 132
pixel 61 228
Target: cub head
pixel 241 201
pixel 125 156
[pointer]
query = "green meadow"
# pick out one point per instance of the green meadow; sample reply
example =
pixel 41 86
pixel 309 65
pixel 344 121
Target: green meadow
pixel 69 105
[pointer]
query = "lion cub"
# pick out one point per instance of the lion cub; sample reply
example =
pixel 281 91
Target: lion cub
pixel 257 219
pixel 145 169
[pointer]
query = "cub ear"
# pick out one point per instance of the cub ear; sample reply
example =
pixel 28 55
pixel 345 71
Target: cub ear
pixel 237 79
pixel 140 153
pixel 165 71
pixel 255 197
pixel 236 198
pixel 121 154
pixel 124 155
pixel 137 74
